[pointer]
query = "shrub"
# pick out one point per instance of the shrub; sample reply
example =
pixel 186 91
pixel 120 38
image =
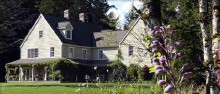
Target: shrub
pixel 61 69
pixel 146 75
pixel 118 71
pixel 134 72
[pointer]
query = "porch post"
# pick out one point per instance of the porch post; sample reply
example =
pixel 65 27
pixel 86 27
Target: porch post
pixel 32 73
pixel 21 74
pixel 8 71
pixel 45 73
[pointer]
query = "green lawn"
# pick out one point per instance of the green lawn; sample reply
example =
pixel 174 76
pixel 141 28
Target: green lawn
pixel 72 88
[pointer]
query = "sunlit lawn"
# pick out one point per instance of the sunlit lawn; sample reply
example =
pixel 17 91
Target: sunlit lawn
pixel 72 88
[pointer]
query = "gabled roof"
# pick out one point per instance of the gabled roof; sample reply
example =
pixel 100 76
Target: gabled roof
pixel 82 33
pixel 129 31
pixel 108 38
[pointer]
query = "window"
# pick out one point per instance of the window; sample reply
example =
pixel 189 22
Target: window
pixel 71 52
pixel 40 34
pixel 130 50
pixel 101 55
pixel 32 53
pixel 51 51
pixel 68 34
pixel 84 54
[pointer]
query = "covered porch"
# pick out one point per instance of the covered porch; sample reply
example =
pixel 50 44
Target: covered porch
pixel 27 70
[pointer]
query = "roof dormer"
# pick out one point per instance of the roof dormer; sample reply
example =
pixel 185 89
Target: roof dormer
pixel 65 29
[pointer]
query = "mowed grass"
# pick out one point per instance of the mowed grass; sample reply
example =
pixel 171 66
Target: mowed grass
pixel 72 88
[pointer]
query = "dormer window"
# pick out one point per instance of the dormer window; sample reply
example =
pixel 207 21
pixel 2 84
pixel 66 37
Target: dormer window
pixel 66 29
pixel 67 34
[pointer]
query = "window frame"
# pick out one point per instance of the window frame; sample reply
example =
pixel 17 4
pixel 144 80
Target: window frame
pixel 100 50
pixel 85 53
pixel 66 34
pixel 72 52
pixel 40 34
pixel 52 52
pixel 130 50
pixel 33 53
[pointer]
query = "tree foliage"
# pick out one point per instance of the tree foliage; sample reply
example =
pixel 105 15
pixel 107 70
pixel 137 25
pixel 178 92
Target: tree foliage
pixel 134 72
pixel 184 18
pixel 16 18
pixel 118 72
pixel 95 10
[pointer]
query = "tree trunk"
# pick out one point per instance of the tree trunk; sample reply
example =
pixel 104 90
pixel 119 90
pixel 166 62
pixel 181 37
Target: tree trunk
pixel 215 28
pixel 207 42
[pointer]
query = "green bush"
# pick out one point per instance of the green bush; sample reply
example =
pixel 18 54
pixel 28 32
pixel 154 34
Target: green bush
pixel 118 71
pixel 61 69
pixel 146 75
pixel 134 72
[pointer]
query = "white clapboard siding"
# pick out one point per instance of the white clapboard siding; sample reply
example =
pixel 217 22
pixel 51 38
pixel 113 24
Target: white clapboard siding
pixel 49 39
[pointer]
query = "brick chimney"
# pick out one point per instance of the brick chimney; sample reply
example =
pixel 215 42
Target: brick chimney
pixel 82 17
pixel 66 14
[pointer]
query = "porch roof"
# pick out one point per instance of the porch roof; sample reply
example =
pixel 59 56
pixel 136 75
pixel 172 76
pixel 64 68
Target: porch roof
pixel 31 61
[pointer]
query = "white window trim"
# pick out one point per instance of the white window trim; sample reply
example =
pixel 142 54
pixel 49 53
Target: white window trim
pixel 73 52
pixel 53 52
pixel 99 54
pixel 86 53
pixel 129 50
pixel 64 34
pixel 41 35
pixel 32 54
pixel 70 34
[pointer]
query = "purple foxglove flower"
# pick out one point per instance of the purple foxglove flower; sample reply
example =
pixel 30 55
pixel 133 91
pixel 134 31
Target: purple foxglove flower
pixel 155 42
pixel 163 59
pixel 158 32
pixel 217 51
pixel 155 27
pixel 154 50
pixel 179 54
pixel 218 71
pixel 171 48
pixel 159 67
pixel 159 71
pixel 153 45
pixel 169 89
pixel 177 44
pixel 218 76
pixel 161 82
pixel 162 27
pixel 155 60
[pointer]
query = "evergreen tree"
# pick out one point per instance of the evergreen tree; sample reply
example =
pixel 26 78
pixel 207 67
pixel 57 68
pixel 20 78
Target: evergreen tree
pixel 112 20
pixel 16 18
pixel 95 10
pixel 183 17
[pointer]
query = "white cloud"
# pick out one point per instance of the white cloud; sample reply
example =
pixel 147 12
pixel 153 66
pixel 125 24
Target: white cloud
pixel 123 7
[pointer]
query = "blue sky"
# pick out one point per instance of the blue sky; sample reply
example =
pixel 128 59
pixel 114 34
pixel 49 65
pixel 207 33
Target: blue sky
pixel 123 7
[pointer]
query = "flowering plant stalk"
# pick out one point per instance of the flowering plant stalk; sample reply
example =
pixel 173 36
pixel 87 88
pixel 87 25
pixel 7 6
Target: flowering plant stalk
pixel 165 53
